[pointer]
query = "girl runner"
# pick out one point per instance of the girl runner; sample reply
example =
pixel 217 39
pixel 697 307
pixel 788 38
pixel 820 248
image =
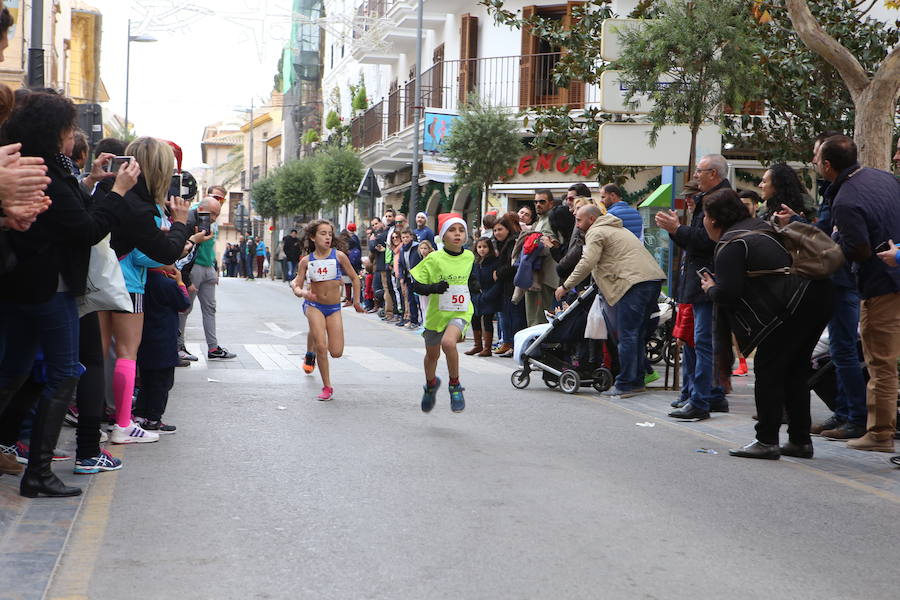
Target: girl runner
pixel 322 301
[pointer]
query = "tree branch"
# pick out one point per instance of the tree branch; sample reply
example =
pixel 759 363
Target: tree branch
pixel 818 40
pixel 889 70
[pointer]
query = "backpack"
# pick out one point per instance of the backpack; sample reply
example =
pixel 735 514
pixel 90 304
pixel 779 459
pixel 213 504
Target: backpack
pixel 814 255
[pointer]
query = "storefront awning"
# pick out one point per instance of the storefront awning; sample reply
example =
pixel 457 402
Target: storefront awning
pixel 661 198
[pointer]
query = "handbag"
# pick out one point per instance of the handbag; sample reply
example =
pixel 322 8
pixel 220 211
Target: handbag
pixel 105 289
pixel 814 255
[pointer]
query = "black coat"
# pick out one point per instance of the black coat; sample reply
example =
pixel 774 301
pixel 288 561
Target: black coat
pixel 138 229
pixel 698 252
pixel 59 242
pixel 162 303
pixel 489 301
pixel 505 270
pixel 291 247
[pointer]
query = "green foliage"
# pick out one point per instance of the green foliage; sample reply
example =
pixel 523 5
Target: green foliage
pixel 263 196
pixel 483 143
pixel 278 80
pixel 310 136
pixel 333 120
pixel 360 101
pixel 295 188
pixel 339 172
pixel 706 71
pixel 804 94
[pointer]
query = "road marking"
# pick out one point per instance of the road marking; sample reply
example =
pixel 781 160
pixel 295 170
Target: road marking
pixel 267 362
pixel 277 331
pixel 198 350
pixel 278 353
pixel 72 576
pixel 376 361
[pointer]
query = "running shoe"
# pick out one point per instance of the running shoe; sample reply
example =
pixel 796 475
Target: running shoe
pixel 401 323
pixel 651 377
pixel 71 418
pixel 327 394
pixel 309 363
pixel 155 426
pixel 19 451
pixel 220 352
pixel 104 462
pixel 183 354
pixel 133 434
pixel 428 397
pixel 457 401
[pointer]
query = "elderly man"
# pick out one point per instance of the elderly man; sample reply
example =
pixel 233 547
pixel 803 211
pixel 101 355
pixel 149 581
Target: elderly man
pixel 204 277
pixel 536 302
pixel 706 397
pixel 865 205
pixel 630 281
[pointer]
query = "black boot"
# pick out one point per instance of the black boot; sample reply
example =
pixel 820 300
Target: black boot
pixel 38 477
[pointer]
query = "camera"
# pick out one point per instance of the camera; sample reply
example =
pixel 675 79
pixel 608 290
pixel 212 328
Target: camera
pixel 114 163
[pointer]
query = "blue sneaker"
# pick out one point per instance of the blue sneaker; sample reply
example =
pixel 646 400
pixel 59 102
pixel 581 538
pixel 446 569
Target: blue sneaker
pixel 457 402
pixel 428 396
pixel 104 462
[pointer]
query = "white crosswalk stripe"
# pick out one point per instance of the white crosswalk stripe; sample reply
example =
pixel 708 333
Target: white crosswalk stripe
pixel 199 350
pixel 376 361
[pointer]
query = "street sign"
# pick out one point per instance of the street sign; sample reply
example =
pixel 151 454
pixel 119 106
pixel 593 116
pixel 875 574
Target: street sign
pixel 610 42
pixel 613 95
pixel 368 187
pixel 628 144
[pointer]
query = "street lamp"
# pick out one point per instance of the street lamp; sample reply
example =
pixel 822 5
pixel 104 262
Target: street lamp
pixel 131 38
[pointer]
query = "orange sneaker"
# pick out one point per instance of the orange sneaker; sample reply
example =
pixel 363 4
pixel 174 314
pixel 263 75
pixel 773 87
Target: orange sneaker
pixel 309 363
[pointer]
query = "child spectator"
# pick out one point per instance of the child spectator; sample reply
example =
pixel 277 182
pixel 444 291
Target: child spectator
pixel 164 297
pixel 484 301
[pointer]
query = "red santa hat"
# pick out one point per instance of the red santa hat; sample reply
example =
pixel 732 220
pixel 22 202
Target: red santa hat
pixel 446 220
pixel 176 150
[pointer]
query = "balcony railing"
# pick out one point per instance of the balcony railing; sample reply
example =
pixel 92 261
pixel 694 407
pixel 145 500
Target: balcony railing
pixel 518 83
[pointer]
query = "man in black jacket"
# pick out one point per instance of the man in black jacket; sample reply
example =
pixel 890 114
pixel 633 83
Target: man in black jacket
pixel 290 245
pixel 706 397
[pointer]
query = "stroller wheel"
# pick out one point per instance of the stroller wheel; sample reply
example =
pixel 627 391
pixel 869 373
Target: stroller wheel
pixel 551 382
pixel 569 381
pixel 669 351
pixel 603 379
pixel 654 350
pixel 520 379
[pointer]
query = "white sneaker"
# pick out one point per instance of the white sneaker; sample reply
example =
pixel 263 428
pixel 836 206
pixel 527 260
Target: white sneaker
pixel 185 355
pixel 133 434
pixel 103 436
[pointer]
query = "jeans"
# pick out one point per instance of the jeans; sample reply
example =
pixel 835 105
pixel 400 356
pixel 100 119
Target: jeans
pixel 290 269
pixel 705 393
pixel 633 312
pixel 688 364
pixel 842 335
pixel 513 320
pixel 52 326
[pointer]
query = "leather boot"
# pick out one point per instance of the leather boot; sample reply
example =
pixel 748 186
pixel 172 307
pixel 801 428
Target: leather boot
pixel 39 477
pixel 488 335
pixel 477 347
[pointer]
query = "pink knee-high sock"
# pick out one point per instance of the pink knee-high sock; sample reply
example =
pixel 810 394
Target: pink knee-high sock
pixel 123 390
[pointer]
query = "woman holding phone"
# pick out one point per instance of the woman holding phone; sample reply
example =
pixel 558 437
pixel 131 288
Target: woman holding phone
pixel 145 239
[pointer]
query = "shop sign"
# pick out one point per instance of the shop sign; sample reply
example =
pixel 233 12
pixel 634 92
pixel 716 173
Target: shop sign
pixel 550 163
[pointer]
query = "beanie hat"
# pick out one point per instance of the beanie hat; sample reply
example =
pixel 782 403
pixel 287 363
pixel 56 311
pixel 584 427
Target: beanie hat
pixel 351 226
pixel 421 214
pixel 447 219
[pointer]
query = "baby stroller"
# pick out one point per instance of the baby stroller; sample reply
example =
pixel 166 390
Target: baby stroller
pixel 661 344
pixel 549 348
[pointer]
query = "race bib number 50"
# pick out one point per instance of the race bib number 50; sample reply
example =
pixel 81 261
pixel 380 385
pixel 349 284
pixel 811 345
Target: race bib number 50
pixel 455 299
pixel 322 269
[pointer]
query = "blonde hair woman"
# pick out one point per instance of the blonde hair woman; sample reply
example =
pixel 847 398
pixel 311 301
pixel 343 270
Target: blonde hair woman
pixel 145 238
pixel 584 201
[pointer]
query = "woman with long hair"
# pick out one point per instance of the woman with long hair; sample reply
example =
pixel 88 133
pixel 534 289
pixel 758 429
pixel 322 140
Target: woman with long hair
pixel 37 297
pixel 325 263
pixel 781 187
pixel 144 239
pixel 486 300
pixel 506 231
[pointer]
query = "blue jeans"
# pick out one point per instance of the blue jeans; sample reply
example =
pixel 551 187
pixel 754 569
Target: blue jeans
pixel 52 326
pixel 633 312
pixel 290 269
pixel 704 392
pixel 513 319
pixel 689 363
pixel 843 337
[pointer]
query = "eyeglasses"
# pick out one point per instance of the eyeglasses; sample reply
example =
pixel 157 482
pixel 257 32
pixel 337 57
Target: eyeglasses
pixel 698 170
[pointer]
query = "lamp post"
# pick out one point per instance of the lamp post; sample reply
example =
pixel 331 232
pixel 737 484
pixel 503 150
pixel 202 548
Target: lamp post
pixel 131 38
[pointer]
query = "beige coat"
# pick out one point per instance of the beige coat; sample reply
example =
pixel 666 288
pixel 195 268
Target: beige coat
pixel 616 259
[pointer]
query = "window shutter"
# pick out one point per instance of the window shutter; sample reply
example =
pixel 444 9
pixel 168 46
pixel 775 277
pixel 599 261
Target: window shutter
pixel 468 52
pixel 527 61
pixel 573 96
pixel 436 83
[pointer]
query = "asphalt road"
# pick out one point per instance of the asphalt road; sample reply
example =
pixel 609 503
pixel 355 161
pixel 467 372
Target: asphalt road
pixel 266 493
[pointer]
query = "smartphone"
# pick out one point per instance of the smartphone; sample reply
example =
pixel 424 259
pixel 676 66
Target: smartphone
pixel 882 247
pixel 117 161
pixel 701 271
pixel 175 186
pixel 204 223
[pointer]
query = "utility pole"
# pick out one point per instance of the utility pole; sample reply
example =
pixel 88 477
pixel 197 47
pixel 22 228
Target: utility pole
pixel 250 173
pixel 417 107
pixel 36 50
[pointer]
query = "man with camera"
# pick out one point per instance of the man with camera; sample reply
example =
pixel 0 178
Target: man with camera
pixel 203 276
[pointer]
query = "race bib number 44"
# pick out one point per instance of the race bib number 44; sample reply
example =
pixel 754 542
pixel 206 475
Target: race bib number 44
pixel 455 299
pixel 322 269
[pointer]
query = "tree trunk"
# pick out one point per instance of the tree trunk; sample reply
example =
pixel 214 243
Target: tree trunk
pixel 874 126
pixel 692 159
